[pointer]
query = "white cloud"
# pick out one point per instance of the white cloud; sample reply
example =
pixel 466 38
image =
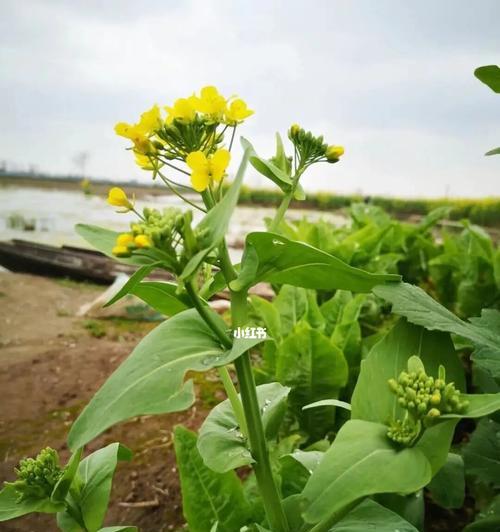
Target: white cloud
pixel 392 82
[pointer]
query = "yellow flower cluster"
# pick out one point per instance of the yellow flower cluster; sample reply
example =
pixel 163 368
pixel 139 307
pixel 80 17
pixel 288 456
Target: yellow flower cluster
pixel 187 133
pixel 211 103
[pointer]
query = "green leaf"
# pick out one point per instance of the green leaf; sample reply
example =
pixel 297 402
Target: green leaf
pixel 351 470
pixel 291 304
pixel 63 484
pixel 448 486
pixel 104 240
pixel 328 402
pixel 267 168
pixel 494 151
pixel 315 369
pixel 10 508
pixel 389 357
pixel 276 259
pixel 482 453
pixel 419 308
pixel 207 497
pixel 489 75
pixel 269 314
pixel 214 225
pixel 332 309
pixel 133 281
pixel 220 442
pixel 151 379
pixel 296 468
pixel 95 477
pixel 370 515
pixel 163 297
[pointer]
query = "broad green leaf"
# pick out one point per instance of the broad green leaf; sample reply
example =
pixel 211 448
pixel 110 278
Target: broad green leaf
pixel 494 151
pixel 448 486
pixel 95 477
pixel 482 453
pixel 435 443
pixel 163 297
pixel 347 331
pixel 208 497
pixel 63 484
pixel 291 304
pixel 372 399
pixel 351 470
pixel 419 308
pixel 104 240
pixel 151 379
pixel 315 369
pixel 332 309
pixel 215 223
pixel 276 259
pixel 296 468
pixel 269 314
pixel 133 281
pixel 370 515
pixel 489 75
pixel 220 442
pixel 10 508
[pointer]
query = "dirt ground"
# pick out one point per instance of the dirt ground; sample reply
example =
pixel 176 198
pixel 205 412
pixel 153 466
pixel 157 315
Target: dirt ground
pixel 51 363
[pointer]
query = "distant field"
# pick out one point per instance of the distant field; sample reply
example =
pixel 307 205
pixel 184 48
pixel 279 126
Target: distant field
pixel 484 211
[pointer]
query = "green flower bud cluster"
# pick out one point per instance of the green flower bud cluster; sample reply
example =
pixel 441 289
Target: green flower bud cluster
pixel 424 398
pixel 37 477
pixel 159 227
pixel 404 432
pixel 182 137
pixel 311 149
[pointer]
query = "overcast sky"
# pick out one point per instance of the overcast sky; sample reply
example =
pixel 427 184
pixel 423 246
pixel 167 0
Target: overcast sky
pixel 391 80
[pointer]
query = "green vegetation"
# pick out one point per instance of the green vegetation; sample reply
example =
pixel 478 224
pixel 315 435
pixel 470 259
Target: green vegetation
pixel 479 211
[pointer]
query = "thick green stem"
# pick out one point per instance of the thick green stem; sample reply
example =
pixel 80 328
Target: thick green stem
pixel 248 392
pixel 231 392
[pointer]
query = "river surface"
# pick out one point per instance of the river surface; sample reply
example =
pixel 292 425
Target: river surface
pixel 49 216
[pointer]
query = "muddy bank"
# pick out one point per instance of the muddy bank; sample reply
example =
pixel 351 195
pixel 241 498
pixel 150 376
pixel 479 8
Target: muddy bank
pixel 51 363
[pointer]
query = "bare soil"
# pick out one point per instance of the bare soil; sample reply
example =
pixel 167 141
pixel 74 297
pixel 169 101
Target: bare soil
pixel 50 366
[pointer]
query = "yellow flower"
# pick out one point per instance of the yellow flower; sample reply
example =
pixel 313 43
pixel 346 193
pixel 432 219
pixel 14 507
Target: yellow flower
pixel 183 109
pixel 210 101
pixel 237 111
pixel 205 170
pixel 150 120
pixel 334 152
pixel 142 241
pixel 139 133
pixel 124 239
pixel 121 251
pixel 118 198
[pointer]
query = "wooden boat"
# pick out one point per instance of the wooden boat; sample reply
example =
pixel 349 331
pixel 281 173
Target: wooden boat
pixel 65 261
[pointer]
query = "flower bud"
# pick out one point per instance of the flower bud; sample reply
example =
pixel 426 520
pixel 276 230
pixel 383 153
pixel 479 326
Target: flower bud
pixel 433 412
pixel 333 153
pixel 124 239
pixel 121 251
pixel 142 241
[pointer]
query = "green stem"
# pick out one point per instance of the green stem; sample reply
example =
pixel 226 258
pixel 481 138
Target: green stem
pixel 280 213
pixel 327 524
pixel 248 391
pixel 231 392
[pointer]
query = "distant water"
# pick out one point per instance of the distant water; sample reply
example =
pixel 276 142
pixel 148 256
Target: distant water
pixel 49 216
